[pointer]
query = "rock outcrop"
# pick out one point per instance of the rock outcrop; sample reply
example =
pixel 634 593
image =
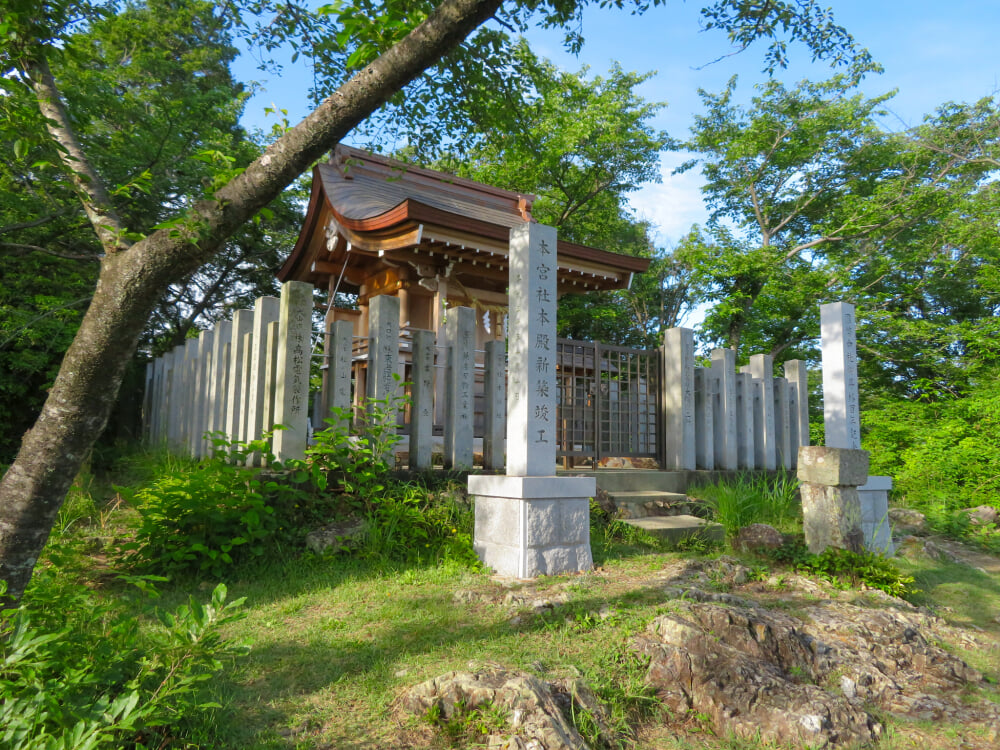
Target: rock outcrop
pixel 535 710
pixel 809 679
pixel 787 660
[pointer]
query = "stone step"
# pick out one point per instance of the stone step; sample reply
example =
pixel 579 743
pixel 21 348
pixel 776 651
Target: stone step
pixel 639 504
pixel 675 529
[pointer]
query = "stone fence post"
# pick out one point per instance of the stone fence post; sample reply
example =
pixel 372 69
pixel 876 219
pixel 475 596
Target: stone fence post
pixel 292 369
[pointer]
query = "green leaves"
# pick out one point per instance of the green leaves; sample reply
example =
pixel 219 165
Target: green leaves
pixel 781 22
pixel 192 520
pixel 76 672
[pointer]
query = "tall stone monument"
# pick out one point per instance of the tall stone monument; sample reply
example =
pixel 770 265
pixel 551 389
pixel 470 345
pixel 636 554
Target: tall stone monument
pixel 266 310
pixel 531 522
pixel 842 415
pixel 382 382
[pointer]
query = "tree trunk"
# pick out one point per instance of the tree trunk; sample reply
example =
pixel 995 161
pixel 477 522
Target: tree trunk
pixel 81 399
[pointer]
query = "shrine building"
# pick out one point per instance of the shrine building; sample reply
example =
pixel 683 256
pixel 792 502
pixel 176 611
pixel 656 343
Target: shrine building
pixel 379 226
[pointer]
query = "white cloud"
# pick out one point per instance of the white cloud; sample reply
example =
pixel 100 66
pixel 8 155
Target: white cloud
pixel 672 205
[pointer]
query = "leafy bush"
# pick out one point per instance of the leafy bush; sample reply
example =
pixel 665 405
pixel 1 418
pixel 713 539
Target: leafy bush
pixel 751 498
pixel 354 465
pixel 201 518
pixel 407 521
pixel 76 672
pixel 411 522
pixel 844 568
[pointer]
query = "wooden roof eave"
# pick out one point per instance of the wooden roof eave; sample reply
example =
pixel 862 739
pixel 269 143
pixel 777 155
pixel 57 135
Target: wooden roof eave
pixel 402 226
pixel 292 268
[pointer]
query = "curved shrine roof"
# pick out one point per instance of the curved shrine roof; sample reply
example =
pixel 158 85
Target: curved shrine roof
pixel 372 213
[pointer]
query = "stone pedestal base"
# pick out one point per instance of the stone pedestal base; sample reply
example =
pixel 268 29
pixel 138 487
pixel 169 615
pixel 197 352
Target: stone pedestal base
pixel 831 517
pixel 531 526
pixel 874 499
pixel 831 508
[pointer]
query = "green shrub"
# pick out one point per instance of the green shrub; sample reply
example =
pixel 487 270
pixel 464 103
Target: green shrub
pixel 355 466
pixel 202 518
pixel 942 454
pixel 407 521
pixel 844 568
pixel 76 672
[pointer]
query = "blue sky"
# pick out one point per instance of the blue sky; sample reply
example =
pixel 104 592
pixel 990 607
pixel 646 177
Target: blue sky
pixel 932 51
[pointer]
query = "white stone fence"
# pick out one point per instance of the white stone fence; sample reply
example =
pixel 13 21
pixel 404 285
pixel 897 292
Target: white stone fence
pixel 239 379
pixel 717 418
pixel 246 375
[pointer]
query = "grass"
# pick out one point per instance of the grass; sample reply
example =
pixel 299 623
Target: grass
pixel 331 655
pixel 336 640
pixel 752 498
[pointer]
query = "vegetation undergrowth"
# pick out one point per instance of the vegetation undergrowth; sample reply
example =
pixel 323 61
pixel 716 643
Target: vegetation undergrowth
pixel 943 453
pixel 337 637
pixel 751 498
pixel 846 569
pixel 78 671
pixel 203 518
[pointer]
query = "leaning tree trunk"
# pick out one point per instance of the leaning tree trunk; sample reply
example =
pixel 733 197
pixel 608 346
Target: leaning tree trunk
pixel 132 279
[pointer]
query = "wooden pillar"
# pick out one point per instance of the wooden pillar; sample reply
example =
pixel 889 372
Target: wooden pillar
pixel 404 307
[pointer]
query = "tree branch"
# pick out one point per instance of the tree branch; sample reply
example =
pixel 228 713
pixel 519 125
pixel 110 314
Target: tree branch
pixel 30 224
pixel 94 196
pixel 22 248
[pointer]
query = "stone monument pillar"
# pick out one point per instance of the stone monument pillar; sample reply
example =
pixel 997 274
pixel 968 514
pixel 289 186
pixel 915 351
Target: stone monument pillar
pixel 842 415
pixel 242 325
pixel 338 369
pixel 678 399
pixel 765 439
pixel 422 409
pixel 495 390
pixel 266 310
pixel 460 388
pixel 382 384
pixel 219 383
pixel 531 522
pixel 724 409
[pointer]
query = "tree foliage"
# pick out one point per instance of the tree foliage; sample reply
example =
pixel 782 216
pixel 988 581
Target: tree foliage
pixel 788 178
pixel 813 200
pixel 383 51
pixel 581 144
pixel 157 111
